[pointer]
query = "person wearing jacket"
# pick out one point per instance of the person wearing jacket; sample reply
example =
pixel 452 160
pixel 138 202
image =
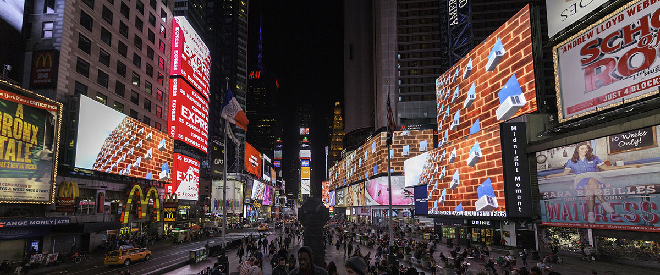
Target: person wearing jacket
pixel 305 265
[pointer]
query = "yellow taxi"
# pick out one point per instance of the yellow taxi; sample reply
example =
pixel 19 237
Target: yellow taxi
pixel 262 227
pixel 126 256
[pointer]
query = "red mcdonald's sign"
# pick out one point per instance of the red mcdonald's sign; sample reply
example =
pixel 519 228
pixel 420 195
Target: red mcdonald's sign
pixel 43 69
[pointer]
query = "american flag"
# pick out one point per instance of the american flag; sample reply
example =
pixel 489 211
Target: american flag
pixel 391 123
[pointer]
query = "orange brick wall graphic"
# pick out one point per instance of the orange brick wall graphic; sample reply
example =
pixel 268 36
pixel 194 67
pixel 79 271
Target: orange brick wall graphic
pixel 131 141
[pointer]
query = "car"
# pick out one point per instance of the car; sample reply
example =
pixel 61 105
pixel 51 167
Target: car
pixel 126 256
pixel 262 227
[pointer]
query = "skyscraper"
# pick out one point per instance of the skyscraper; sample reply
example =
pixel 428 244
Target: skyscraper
pixel 336 135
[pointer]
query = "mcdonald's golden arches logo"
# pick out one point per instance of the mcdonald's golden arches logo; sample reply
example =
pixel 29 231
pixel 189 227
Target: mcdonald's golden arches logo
pixel 68 189
pixel 45 59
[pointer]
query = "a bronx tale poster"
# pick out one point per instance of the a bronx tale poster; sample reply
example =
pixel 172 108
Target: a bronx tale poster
pixel 28 146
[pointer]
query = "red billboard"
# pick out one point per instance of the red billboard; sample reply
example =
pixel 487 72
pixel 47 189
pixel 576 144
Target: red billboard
pixel 185 181
pixel 43 69
pixel 188 120
pixel 191 59
pixel 252 160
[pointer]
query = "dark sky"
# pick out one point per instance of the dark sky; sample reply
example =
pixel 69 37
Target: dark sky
pixel 302 45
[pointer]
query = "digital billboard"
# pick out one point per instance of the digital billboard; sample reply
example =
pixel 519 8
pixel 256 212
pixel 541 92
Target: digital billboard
pixel 421 200
pixel 277 164
pixel 252 160
pixel 304 163
pixel 191 58
pixel 185 183
pixel 355 195
pixel 112 142
pixel 377 194
pixel 413 168
pixel 277 154
pixel 305 186
pixel 188 119
pixel 305 172
pixel 324 192
pixel 234 196
pixel 29 138
pixel 258 190
pixel 562 14
pixel 491 84
pixel 609 63
pixel 305 154
pixel 339 197
pixel 267 166
pixel 331 198
pixel 304 131
pixel 610 182
pixel 268 195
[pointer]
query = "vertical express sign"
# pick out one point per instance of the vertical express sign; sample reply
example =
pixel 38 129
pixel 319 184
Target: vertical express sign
pixel 188 119
pixel 516 170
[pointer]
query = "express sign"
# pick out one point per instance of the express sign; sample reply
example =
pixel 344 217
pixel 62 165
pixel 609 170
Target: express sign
pixel 185 183
pixel 188 121
pixel 190 56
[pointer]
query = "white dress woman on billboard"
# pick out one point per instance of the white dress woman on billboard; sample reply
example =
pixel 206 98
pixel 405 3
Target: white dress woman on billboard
pixel 587 180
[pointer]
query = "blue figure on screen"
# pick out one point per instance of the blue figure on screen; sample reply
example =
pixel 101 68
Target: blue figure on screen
pixel 455 95
pixel 475 155
pixel 470 97
pixel 435 206
pixel 442 156
pixel 452 156
pixel 375 169
pixel 164 172
pixel 366 175
pixel 495 55
pixel 459 208
pixel 455 122
pixel 150 176
pixel 468 69
pixel 511 99
pixel 455 74
pixel 475 128
pixel 487 199
pixel 162 145
pixel 454 181
pixel 446 114
pixel 445 138
pixel 441 200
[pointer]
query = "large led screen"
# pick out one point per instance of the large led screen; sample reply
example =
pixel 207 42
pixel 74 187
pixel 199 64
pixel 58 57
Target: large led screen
pixel 267 166
pixel 610 182
pixel 188 119
pixel 562 14
pixel 324 193
pixel 112 142
pixel 355 195
pixel 413 168
pixel 331 198
pixel 185 183
pixel 305 172
pixel 376 192
pixel 191 59
pixel 610 63
pixel 493 83
pixel 421 200
pixel 305 186
pixel 268 194
pixel 258 190
pixel 28 147
pixel 252 160
pixel 234 196
pixel 339 197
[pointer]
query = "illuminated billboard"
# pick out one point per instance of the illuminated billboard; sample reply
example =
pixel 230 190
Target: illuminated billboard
pixel 562 14
pixel 491 84
pixel 267 198
pixel 29 139
pixel 234 196
pixel 355 195
pixel 12 13
pixel 185 182
pixel 188 118
pixel 324 193
pixel 258 190
pixel 252 160
pixel 304 131
pixel 191 59
pixel 278 154
pixel 305 154
pixel 339 197
pixel 112 142
pixel 304 163
pixel 277 164
pixel 413 168
pixel 331 198
pixel 305 172
pixel 610 182
pixel 377 194
pixel 305 186
pixel 267 166
pixel 44 66
pixel 608 64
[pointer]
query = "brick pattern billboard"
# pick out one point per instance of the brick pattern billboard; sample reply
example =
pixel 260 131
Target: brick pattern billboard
pixel 111 142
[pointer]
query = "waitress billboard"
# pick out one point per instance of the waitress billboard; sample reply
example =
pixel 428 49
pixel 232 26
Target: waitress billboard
pixel 612 182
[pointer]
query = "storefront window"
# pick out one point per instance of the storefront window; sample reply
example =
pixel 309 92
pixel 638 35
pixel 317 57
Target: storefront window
pixel 565 238
pixel 629 249
pixel 481 235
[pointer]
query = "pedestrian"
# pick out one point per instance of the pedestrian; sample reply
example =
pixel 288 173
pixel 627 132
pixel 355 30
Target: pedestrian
pixel 305 265
pixel 281 268
pixel 523 256
pixel 345 246
pixel 503 243
pixel 350 249
pixel 356 265
pixel 240 253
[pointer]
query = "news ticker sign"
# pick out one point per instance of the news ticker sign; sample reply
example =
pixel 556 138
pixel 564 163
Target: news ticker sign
pixel 612 62
pixel 43 69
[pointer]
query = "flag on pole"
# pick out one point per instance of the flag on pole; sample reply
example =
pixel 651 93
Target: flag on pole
pixel 232 112
pixel 391 123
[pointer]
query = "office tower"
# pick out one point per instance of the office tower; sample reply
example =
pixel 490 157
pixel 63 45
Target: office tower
pixel 336 135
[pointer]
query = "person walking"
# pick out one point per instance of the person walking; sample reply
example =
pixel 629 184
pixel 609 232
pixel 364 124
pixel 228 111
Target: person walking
pixel 240 253
pixel 523 256
pixel 350 249
pixel 281 268
pixel 503 243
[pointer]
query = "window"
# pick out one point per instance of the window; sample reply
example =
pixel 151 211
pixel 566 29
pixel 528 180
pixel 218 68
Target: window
pixel 82 67
pixel 163 15
pixel 135 97
pixel 80 89
pixel 133 114
pixel 104 58
pixel 49 6
pixel 102 79
pixel 119 88
pixel 150 70
pixel 163 31
pixel 159 111
pixel 139 23
pixel 85 20
pixel 121 69
pixel 159 95
pixel 151 36
pixel 161 78
pixel 47 29
pixel 161 62
pixel 147 87
pixel 152 3
pixel 140 7
pixel 123 29
pixel 152 19
pixel 84 44
pixel 157 126
pixel 122 49
pixel 106 36
pixel 137 41
pixel 147 105
pixel 137 60
pixel 102 98
pixel 118 107
pixel 125 10
pixel 161 46
pixel 150 53
pixel 89 3
pixel 136 79
pixel 146 120
pixel 107 15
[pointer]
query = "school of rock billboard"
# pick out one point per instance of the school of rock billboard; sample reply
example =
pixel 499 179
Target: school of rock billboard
pixel 185 183
pixel 611 182
pixel 112 142
pixel 29 138
pixel 612 62
pixel 188 118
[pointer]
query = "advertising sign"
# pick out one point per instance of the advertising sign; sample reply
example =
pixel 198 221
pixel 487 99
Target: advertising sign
pixel 304 131
pixel 612 62
pixel 17 223
pixel 278 154
pixel 112 142
pixel 305 154
pixel 339 197
pixel 268 195
pixel 331 198
pixel 43 69
pixel 304 172
pixel 186 178
pixel 67 196
pixel 188 119
pixel 413 168
pixel 377 194
pixel 28 147
pixel 258 190
pixel 562 14
pixel 324 193
pixel 191 59
pixel 252 160
pixel 234 196
pixel 593 185
pixel 516 170
pixel 305 186
pixel 355 196
pixel 421 200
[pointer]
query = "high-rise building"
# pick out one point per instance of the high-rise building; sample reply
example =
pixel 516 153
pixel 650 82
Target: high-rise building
pixel 194 10
pixel 336 135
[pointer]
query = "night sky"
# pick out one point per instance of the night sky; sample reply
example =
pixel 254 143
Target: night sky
pixel 303 48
